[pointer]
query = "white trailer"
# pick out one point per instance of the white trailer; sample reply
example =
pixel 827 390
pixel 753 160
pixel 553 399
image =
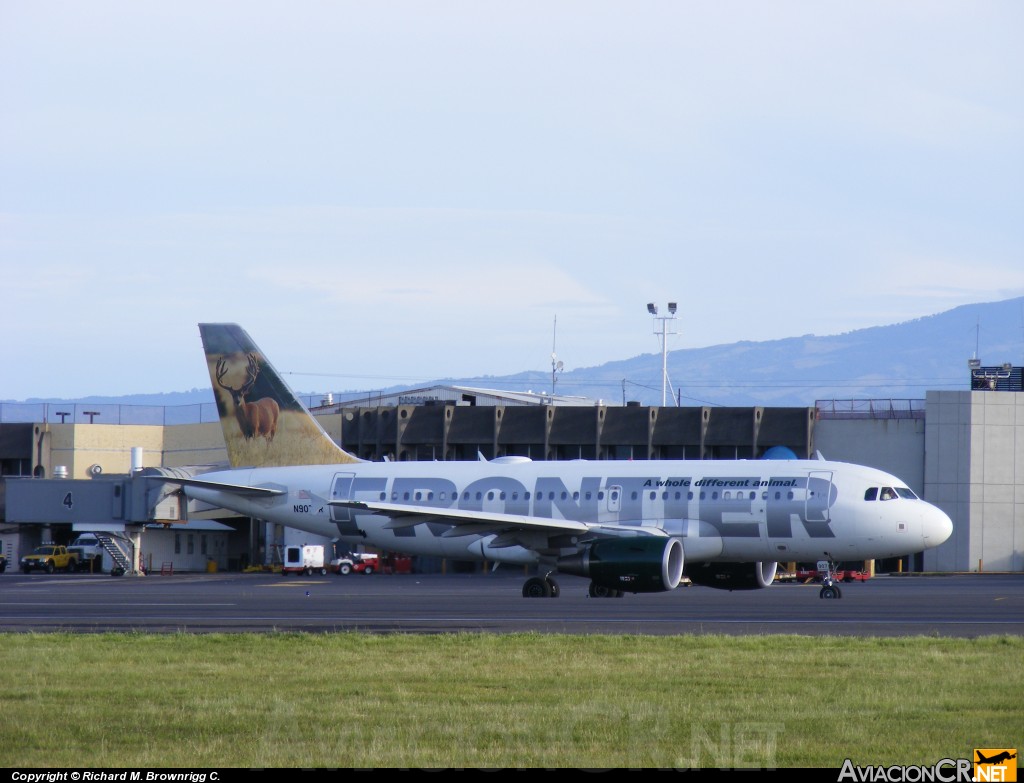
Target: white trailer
pixel 307 560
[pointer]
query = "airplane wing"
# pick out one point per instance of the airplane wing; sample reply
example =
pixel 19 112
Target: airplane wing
pixel 482 522
pixel 236 489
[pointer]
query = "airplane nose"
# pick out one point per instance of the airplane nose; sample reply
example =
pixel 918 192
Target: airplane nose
pixel 936 526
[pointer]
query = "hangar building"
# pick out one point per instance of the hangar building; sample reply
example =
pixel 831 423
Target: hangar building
pixel 961 450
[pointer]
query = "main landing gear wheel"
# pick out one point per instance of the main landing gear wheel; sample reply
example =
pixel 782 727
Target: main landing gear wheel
pixel 541 587
pixel 536 587
pixel 600 591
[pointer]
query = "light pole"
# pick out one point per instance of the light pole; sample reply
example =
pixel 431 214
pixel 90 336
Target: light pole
pixel 653 310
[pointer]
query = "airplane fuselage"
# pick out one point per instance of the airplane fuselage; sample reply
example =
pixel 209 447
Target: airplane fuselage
pixel 730 511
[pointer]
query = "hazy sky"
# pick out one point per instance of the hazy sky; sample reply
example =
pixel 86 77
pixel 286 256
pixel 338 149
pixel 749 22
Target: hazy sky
pixel 389 192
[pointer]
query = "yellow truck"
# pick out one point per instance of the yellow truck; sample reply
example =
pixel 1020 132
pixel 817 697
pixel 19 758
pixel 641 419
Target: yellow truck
pixel 49 558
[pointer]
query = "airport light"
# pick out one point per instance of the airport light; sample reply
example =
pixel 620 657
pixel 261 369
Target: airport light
pixel 664 332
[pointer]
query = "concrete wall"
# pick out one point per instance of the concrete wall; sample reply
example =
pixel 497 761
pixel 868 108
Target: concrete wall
pixel 79 446
pixel 184 549
pixel 193 444
pixel 975 473
pixel 896 446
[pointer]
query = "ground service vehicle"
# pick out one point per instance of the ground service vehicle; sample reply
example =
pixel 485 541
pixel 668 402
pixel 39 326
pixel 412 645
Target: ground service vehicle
pixel 356 564
pixel 840 574
pixel 89 553
pixel 49 558
pixel 307 560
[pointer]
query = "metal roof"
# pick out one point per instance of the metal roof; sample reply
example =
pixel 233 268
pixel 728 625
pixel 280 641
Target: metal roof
pixel 458 395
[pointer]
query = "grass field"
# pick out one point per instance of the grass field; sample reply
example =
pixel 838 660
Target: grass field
pixel 523 700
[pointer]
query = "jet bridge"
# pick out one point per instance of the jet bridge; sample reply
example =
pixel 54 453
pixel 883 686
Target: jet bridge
pixel 121 505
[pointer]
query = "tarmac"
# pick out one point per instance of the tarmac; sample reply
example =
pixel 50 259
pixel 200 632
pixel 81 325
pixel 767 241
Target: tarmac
pixel 963 605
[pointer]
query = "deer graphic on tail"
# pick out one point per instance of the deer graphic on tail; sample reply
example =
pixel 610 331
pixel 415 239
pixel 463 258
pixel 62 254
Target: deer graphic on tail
pixel 256 419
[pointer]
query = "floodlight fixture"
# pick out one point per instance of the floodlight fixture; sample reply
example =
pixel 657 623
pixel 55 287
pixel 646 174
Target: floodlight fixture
pixel 664 332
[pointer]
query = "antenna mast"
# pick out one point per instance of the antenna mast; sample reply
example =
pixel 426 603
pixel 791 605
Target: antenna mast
pixel 556 366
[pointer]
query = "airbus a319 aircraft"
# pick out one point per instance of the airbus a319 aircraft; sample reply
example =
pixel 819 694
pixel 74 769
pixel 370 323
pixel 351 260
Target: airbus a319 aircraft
pixel 630 526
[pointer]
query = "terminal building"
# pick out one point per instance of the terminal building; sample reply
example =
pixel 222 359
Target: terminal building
pixel 67 469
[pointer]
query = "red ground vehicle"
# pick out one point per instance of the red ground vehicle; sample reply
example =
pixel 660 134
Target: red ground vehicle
pixel 351 563
pixel 805 575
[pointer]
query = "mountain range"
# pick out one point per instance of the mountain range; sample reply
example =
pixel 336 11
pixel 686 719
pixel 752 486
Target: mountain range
pixel 896 362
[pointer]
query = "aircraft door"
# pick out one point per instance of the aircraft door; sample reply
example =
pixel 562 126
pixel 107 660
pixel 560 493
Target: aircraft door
pixel 818 502
pixel 614 498
pixel 344 518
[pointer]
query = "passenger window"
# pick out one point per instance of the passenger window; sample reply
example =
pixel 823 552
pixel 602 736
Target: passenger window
pixel 871 493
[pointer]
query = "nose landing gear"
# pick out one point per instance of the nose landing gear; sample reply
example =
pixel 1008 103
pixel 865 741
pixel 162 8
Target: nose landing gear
pixel 829 588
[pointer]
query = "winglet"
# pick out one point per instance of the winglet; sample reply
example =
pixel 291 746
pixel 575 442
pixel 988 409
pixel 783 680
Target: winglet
pixel 264 423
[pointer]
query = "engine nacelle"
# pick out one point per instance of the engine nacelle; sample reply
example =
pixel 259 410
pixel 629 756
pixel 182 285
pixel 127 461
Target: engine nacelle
pixel 638 564
pixel 732 576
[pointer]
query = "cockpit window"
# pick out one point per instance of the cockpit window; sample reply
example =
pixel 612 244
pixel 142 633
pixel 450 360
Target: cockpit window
pixel 871 493
pixel 906 492
pixel 888 493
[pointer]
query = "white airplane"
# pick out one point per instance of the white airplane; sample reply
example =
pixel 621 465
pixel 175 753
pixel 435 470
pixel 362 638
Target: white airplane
pixel 627 525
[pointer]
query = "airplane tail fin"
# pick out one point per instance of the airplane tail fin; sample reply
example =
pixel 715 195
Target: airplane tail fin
pixel 265 424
